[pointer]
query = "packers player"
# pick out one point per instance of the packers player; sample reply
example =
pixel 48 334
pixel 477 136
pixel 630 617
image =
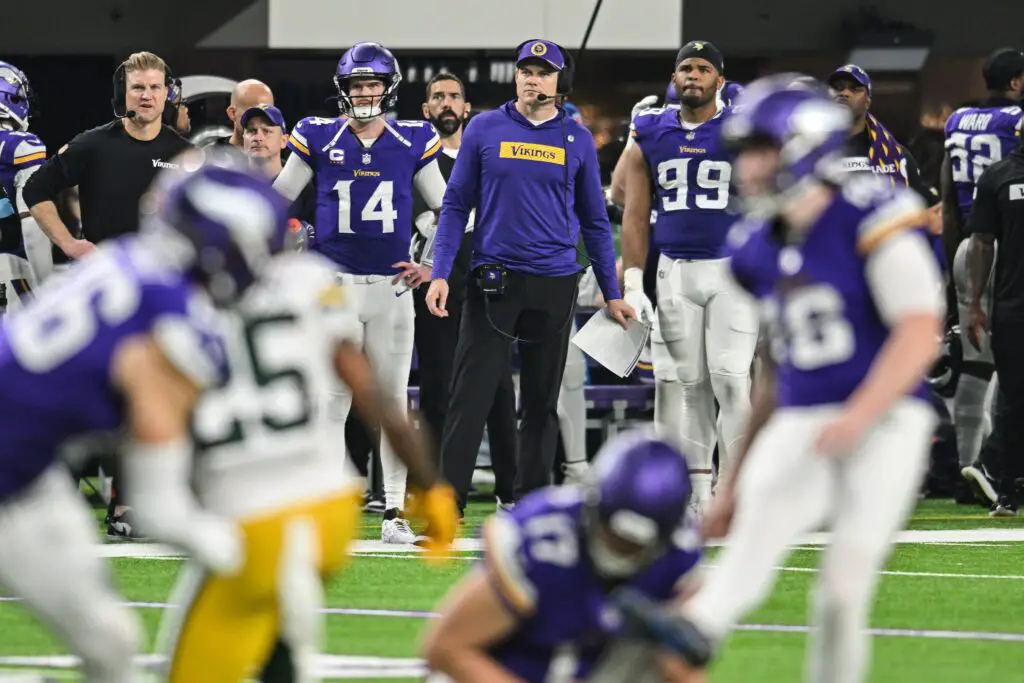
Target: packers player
pixel 267 457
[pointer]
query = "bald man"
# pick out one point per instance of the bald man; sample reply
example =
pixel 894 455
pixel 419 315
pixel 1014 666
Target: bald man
pixel 247 94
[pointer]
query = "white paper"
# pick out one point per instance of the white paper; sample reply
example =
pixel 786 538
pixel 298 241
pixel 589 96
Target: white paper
pixel 613 347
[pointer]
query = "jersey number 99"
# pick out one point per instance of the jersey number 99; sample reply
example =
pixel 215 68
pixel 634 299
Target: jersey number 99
pixel 712 176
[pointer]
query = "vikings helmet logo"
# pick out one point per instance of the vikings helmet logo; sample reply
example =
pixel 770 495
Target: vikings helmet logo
pixel 698 46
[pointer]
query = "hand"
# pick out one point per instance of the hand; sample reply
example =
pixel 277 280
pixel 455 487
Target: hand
pixel 935 219
pixel 977 321
pixel 633 281
pixel 575 472
pixel 645 103
pixel 436 507
pixel 621 312
pixel 840 436
pixel 674 669
pixel 717 519
pixel 78 249
pixel 414 274
pixel 437 298
pixel 220 545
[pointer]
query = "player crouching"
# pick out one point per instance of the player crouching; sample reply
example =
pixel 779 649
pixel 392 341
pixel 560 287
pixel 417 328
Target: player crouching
pixel 850 289
pixel 538 607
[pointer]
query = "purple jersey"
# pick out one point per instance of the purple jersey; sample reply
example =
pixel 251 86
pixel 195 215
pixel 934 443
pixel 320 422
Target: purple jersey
pixel 976 138
pixel 19 151
pixel 691 173
pixel 536 561
pixel 57 353
pixel 823 325
pixel 364 194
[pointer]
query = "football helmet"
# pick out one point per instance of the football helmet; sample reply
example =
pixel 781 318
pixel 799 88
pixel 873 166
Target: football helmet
pixel 635 501
pixel 216 219
pixel 16 95
pixel 944 375
pixel 803 123
pixel 367 60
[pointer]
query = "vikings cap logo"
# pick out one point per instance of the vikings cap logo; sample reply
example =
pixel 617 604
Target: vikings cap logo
pixel 698 46
pixel 539 48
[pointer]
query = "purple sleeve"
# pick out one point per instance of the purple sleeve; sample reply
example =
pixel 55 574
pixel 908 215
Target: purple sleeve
pixel 459 200
pixel 594 223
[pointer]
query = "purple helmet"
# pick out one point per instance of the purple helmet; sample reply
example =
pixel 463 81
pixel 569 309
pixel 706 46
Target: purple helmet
pixel 800 119
pixel 635 502
pixel 671 94
pixel 216 219
pixel 15 95
pixel 367 60
pixel 729 92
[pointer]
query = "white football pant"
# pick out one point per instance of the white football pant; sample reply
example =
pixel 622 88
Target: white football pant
pixel 572 405
pixel 387 340
pixel 702 346
pixel 784 490
pixel 49 559
pixel 969 406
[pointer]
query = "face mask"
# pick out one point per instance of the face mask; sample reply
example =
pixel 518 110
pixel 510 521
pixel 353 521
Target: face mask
pixel 612 565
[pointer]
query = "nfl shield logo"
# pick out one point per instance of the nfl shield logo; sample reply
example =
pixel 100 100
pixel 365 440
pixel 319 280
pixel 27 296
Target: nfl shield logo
pixel 691 136
pixel 366 157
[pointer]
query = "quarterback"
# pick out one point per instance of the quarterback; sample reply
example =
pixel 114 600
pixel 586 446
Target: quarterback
pixel 363 168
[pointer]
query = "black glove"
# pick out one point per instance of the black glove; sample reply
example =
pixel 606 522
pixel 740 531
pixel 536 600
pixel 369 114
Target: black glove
pixel 647 621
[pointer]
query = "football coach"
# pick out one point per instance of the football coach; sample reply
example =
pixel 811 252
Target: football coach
pixel 532 175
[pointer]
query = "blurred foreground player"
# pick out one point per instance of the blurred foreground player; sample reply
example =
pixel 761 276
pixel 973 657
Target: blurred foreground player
pixel 849 287
pixel 537 608
pixel 125 340
pixel 268 459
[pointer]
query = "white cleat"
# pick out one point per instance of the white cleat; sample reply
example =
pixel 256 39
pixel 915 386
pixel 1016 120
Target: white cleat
pixel 397 530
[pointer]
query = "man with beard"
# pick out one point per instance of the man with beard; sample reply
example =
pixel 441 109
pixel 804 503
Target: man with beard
pixel 705 330
pixel 446 107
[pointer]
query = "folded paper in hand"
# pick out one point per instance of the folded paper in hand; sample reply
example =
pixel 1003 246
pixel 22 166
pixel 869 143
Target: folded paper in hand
pixel 613 347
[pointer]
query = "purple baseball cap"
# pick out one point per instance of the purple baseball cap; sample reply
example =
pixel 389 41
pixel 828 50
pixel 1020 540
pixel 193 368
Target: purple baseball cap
pixel 851 71
pixel 544 50
pixel 268 111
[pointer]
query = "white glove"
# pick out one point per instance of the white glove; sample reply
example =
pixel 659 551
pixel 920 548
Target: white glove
pixel 576 472
pixel 219 546
pixel 645 103
pixel 635 297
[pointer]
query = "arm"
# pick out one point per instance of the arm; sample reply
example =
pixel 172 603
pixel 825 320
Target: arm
pixel 980 254
pixel 952 221
pixel 459 198
pixel 376 409
pixel 636 218
pixel 293 178
pixel 983 224
pixel 157 463
pixel 617 188
pixel 62 171
pixel 474 618
pixel 429 182
pixel 597 231
pixel 38 250
pixel 906 287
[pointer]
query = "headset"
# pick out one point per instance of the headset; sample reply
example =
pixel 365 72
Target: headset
pixel 170 112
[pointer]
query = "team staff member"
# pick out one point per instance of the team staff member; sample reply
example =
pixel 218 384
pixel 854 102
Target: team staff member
pixel 447 109
pixel 997 215
pixel 532 175
pixel 264 137
pixel 112 165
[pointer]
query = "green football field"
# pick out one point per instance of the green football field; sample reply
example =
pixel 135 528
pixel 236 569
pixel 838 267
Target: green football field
pixel 950 607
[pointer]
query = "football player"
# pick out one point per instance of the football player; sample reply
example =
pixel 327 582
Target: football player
pixel 537 609
pixel 976 138
pixel 124 341
pixel 267 457
pixel 705 330
pixel 25 253
pixel 849 287
pixel 364 167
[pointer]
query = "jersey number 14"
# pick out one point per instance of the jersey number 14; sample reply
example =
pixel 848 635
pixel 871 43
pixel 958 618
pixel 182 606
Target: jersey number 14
pixel 379 207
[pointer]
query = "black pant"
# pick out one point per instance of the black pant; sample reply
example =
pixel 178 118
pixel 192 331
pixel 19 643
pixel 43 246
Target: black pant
pixel 1001 452
pixel 436 340
pixel 537 311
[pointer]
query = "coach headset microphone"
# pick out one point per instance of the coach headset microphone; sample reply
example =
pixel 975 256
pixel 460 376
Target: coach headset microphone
pixel 117 102
pixel 492 277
